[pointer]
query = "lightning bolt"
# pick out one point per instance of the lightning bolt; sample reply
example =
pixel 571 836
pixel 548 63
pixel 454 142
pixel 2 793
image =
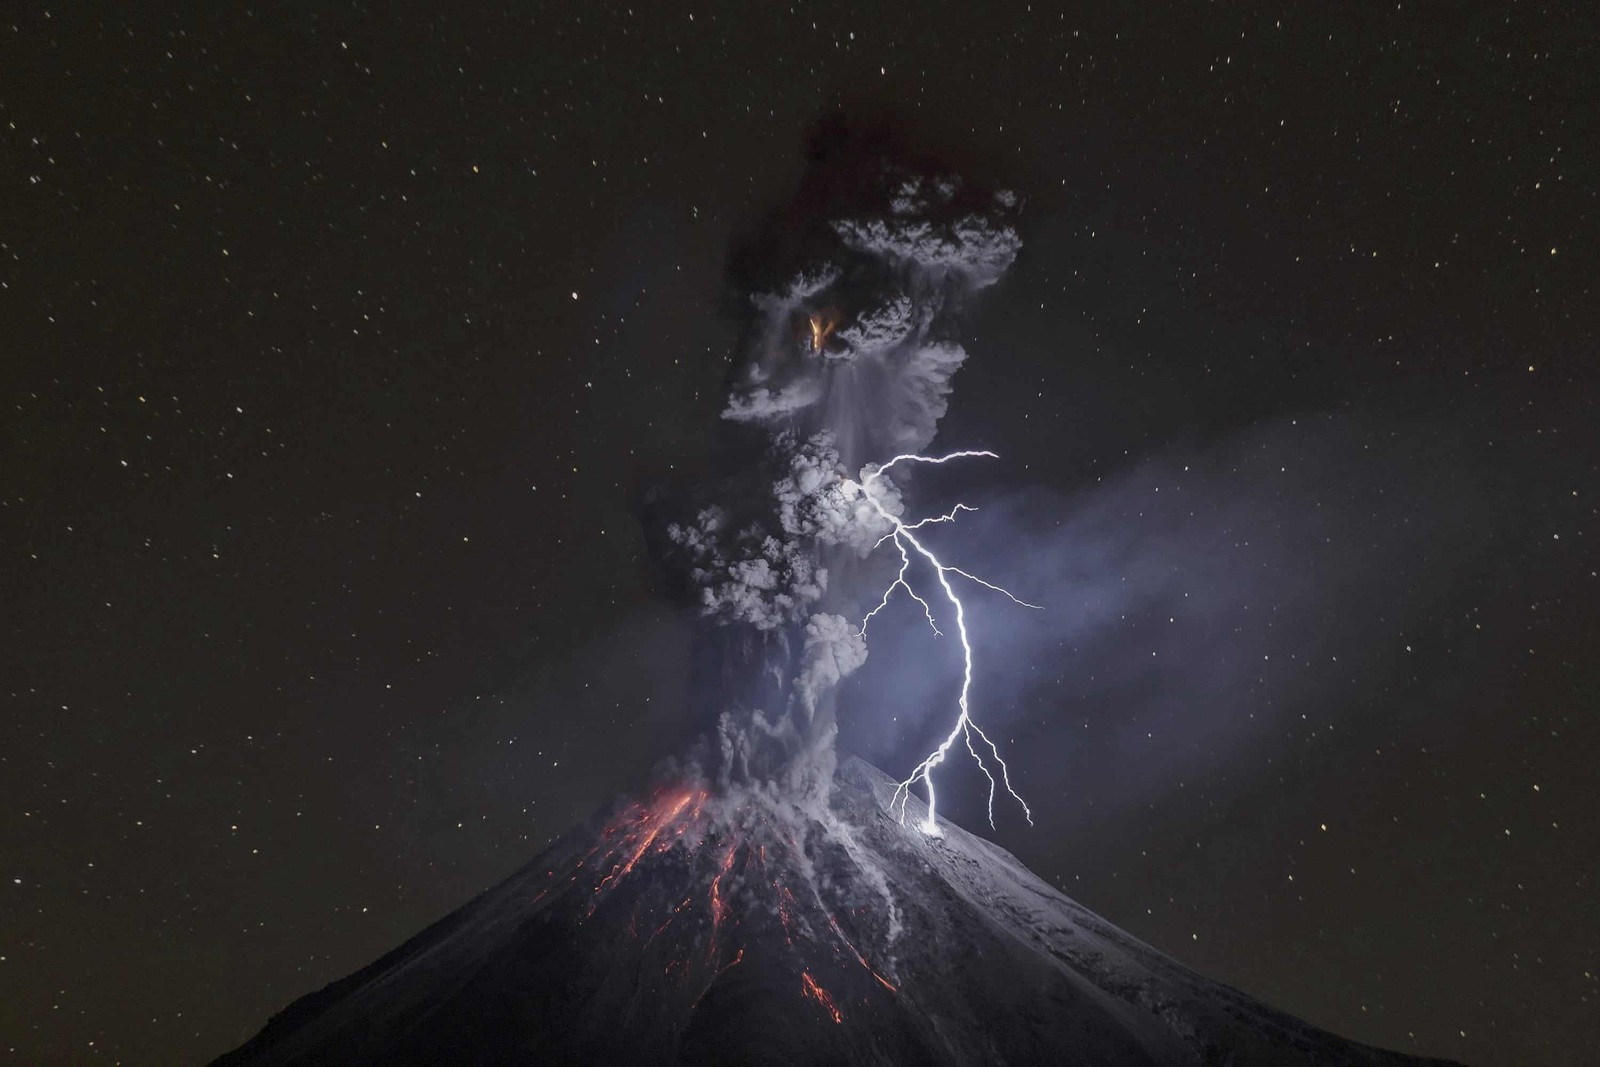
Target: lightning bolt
pixel 907 543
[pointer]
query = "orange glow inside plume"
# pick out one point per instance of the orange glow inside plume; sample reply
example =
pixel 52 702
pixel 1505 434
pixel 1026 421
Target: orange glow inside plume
pixel 821 330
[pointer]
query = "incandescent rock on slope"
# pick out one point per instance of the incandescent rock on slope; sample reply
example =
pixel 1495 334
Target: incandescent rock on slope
pixel 696 929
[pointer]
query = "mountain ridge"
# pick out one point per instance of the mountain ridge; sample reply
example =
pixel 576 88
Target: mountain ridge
pixel 742 928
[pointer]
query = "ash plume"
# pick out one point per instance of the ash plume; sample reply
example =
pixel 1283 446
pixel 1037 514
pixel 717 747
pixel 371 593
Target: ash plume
pixel 765 902
pixel 852 297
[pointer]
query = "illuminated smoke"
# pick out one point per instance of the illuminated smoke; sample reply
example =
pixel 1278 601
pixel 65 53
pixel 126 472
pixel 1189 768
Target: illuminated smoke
pixel 854 300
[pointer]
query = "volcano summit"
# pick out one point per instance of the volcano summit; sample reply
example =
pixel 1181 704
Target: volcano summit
pixel 764 904
pixel 741 929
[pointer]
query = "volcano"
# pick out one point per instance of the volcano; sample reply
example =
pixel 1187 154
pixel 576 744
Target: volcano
pixel 738 927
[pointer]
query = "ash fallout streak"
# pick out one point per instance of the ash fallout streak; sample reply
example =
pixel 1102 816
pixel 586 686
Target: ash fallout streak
pixel 848 359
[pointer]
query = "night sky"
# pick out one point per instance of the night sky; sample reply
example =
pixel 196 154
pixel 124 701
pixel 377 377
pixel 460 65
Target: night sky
pixel 339 346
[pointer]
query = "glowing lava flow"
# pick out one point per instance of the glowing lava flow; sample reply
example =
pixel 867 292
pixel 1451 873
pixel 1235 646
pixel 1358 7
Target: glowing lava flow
pixel 727 853
pixel 809 988
pixel 964 728
pixel 654 821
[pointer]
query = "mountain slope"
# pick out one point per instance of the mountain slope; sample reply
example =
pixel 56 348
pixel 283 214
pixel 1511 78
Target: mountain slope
pixel 741 929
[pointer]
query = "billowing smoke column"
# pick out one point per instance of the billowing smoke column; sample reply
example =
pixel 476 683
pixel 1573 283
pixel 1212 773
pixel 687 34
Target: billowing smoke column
pixel 846 364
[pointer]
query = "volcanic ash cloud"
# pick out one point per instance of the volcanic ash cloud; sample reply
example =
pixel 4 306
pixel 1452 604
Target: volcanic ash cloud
pixel 847 361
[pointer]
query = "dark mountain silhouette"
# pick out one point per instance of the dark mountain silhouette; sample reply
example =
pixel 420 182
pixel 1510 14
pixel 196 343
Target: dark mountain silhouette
pixel 743 929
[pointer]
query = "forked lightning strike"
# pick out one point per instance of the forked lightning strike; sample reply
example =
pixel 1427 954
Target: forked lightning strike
pixel 903 537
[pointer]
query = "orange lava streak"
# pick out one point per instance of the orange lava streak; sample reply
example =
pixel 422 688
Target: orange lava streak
pixel 859 957
pixel 662 928
pixel 810 988
pixel 786 902
pixel 718 907
pixel 660 822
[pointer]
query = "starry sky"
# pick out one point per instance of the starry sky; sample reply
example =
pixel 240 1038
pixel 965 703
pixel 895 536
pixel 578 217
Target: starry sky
pixel 340 343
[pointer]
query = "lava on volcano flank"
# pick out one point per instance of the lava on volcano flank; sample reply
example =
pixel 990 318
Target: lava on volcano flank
pixel 734 927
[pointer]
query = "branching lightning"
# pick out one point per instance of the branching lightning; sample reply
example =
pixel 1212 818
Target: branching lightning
pixel 906 542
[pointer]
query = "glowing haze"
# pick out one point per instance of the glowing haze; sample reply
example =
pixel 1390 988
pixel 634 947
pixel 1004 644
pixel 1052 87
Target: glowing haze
pixel 853 296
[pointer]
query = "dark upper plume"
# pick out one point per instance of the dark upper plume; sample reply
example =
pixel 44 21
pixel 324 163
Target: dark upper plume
pixel 850 163
pixel 691 929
